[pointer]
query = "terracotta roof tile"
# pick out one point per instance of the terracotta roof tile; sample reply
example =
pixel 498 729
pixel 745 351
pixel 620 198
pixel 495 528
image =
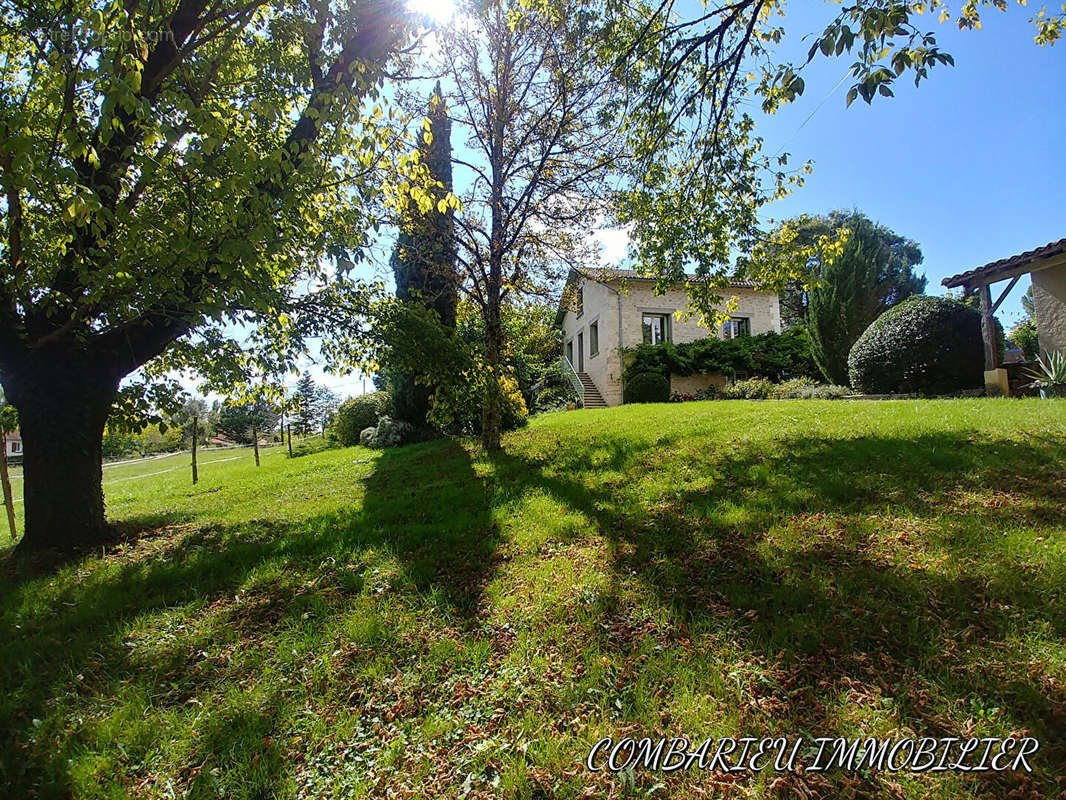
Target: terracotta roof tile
pixel 632 274
pixel 1005 264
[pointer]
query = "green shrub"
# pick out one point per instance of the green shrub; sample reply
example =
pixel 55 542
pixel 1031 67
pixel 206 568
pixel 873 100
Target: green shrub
pixel 807 389
pixel 646 387
pixel 770 355
pixel 151 441
pixel 456 408
pixel 823 391
pixel 357 413
pixel 752 389
pixel 792 389
pixel 513 407
pixel 554 392
pixel 118 443
pixel 314 444
pixel 925 345
pixel 1024 335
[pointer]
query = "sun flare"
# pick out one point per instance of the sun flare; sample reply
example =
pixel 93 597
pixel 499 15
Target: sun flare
pixel 437 10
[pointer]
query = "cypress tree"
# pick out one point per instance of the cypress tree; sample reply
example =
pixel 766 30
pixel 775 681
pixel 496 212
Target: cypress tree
pixel 874 273
pixel 423 260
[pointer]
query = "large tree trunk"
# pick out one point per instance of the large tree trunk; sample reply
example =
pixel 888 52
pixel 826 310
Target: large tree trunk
pixel 63 406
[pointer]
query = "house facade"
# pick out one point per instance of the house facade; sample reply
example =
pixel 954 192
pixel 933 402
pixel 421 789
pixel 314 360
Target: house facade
pixel 13 444
pixel 614 309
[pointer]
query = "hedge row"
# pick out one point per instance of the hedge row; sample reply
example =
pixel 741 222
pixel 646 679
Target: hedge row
pixel 770 355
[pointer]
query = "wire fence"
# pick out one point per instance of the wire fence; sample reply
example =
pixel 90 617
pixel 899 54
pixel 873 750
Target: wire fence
pixel 15 469
pixel 204 458
pixel 170 462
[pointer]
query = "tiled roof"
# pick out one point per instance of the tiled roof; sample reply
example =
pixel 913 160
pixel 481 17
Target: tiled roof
pixel 1007 264
pixel 614 274
pixel 632 274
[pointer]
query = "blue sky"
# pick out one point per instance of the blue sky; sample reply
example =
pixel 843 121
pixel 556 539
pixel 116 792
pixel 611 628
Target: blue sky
pixel 970 164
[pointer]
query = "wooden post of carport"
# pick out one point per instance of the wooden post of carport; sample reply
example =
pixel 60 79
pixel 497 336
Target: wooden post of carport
pixel 1047 265
pixel 996 382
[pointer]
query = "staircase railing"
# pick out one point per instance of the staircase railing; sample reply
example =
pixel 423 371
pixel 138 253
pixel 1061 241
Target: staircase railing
pixel 575 381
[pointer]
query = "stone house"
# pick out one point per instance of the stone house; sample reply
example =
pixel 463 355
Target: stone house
pixel 608 310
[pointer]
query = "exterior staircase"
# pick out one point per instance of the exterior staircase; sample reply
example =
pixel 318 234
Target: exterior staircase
pixel 591 395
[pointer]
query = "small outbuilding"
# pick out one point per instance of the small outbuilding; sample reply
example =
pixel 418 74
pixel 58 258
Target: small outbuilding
pixel 1047 265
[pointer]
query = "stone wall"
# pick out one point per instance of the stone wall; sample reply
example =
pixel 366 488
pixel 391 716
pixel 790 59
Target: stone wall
pixel 693 384
pixel 1049 302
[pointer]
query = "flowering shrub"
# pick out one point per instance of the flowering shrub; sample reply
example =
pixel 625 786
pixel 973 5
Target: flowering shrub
pixel 753 389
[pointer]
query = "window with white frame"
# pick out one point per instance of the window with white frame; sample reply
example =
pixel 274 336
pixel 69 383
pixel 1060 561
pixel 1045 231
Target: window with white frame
pixel 594 338
pixel 735 327
pixel 656 328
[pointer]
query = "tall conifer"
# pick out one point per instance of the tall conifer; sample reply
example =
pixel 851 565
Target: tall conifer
pixel 423 261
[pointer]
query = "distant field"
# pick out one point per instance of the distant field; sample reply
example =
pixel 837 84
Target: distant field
pixel 177 466
pixel 431 622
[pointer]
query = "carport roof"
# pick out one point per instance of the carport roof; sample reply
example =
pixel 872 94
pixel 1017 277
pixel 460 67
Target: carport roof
pixel 1008 267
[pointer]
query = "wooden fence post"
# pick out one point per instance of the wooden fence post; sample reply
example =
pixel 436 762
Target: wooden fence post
pixel 255 444
pixel 290 440
pixel 9 502
pixel 195 433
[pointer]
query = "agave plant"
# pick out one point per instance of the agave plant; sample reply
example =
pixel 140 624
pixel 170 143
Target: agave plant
pixel 1050 372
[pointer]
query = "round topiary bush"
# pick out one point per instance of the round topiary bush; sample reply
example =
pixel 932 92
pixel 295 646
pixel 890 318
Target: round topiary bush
pixel 925 345
pixel 647 387
pixel 356 414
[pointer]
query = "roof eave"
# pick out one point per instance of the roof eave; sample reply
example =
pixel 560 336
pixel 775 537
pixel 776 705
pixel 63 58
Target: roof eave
pixel 1050 255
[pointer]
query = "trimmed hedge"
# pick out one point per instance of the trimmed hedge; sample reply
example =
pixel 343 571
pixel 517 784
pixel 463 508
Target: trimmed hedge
pixel 767 355
pixel 647 387
pixel 925 345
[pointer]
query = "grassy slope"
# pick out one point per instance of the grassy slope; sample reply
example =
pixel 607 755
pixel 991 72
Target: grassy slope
pixel 430 621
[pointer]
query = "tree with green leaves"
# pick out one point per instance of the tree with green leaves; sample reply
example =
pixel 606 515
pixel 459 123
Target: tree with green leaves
pixel 698 179
pixel 423 260
pixel 305 397
pixel 237 421
pixel 533 98
pixel 1024 334
pixel 532 340
pixel 873 271
pixel 206 417
pixel 166 171
pixel 312 405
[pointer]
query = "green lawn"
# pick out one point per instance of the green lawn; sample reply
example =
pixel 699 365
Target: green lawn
pixel 434 623
pixel 135 469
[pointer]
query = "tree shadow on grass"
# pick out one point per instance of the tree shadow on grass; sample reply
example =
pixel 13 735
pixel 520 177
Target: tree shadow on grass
pixel 162 623
pixel 874 567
